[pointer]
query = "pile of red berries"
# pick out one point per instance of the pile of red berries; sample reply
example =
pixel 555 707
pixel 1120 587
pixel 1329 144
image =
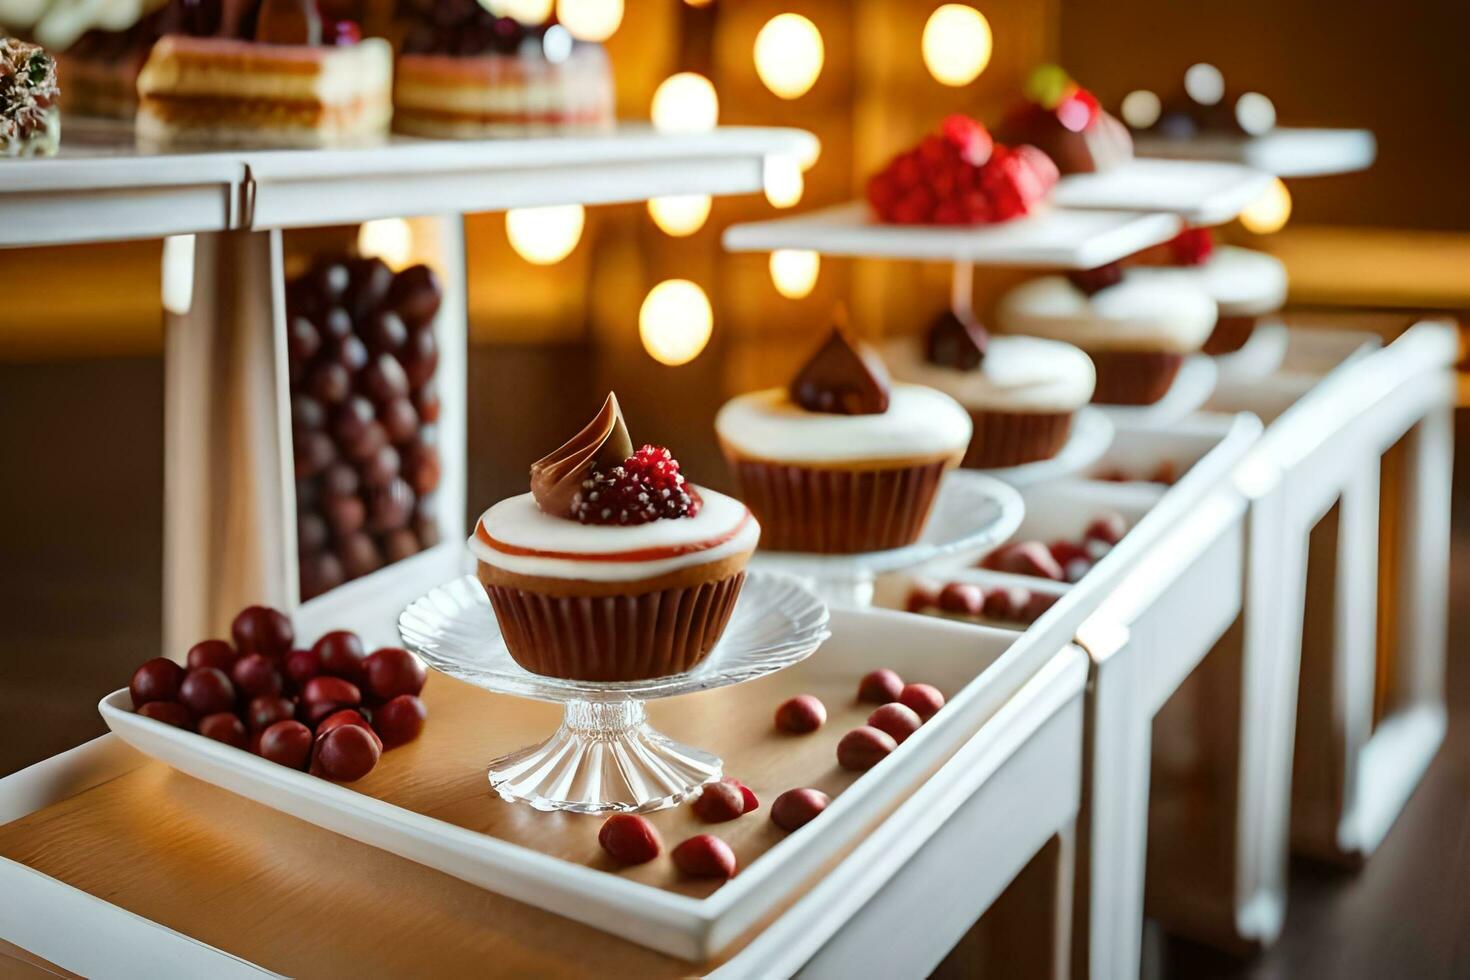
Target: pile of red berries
pixel 332 708
pixel 1062 560
pixel 647 486
pixel 960 176
pixel 1001 604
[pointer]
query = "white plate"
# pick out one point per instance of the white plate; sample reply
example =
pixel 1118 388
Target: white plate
pixel 1092 434
pixel 1192 387
pixel 1284 151
pixel 1200 192
pixel 1261 355
pixel 954 657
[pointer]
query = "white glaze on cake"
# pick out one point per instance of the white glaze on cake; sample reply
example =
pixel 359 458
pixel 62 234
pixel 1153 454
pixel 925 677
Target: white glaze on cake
pixel 768 425
pixel 1241 281
pixel 1019 374
pixel 1139 313
pixel 519 523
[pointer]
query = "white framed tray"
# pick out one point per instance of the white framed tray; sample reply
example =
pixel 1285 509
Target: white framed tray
pixel 1284 151
pixel 1192 387
pixel 1055 237
pixel 1092 434
pixel 956 658
pixel 1199 191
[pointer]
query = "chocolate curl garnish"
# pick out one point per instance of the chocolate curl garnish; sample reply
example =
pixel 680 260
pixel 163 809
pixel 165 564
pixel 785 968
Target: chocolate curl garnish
pixel 602 443
pixel 844 377
pixel 1092 281
pixel 955 342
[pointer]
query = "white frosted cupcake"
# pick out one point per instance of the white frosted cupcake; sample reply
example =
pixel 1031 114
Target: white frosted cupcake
pixel 1136 329
pixel 1021 392
pixel 842 461
pixel 1246 285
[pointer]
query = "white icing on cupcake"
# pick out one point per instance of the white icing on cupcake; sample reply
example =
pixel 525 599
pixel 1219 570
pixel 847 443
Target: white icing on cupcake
pixel 722 528
pixel 1139 313
pixel 1019 374
pixel 1242 282
pixel 768 425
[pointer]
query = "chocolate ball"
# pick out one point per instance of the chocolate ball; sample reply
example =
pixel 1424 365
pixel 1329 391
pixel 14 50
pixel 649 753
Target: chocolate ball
pixel 379 469
pixel 345 514
pixel 372 439
pixel 307 414
pixel 312 533
pixel 329 383
pixel 320 573
pixel 349 352
pixel 303 339
pixel 420 357
pixel 334 324
pixel 340 480
pixel 426 402
pixel 329 281
pixel 370 281
pixel 400 544
pixel 400 420
pixel 390 507
pixel 351 419
pixel 358 554
pixel 415 295
pixel 383 379
pixel 384 333
pixel 422 469
pixel 426 529
pixel 311 454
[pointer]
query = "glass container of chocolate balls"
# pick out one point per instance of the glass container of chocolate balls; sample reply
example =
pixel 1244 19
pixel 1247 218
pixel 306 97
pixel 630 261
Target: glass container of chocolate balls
pixel 363 355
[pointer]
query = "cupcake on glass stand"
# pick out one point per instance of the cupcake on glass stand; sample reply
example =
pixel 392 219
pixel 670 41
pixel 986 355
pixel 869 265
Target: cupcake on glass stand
pixel 614 581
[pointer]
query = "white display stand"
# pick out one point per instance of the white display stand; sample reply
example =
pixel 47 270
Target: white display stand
pixel 1284 151
pixel 1202 193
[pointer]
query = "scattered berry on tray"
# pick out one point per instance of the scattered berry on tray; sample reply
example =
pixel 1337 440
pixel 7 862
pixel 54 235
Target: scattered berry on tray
pixel 897 719
pixel 718 802
pixel 879 686
pixel 800 715
pixel 797 807
pixel 1004 605
pixel 704 856
pixel 1166 473
pixel 629 839
pixel 1025 558
pixel 864 747
pixel 924 700
pixel 1063 560
pixel 747 795
pixel 285 705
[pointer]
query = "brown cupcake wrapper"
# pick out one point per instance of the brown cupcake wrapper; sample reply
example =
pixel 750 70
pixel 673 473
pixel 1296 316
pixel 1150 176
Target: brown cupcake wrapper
pixel 838 511
pixel 1133 377
pixel 1015 438
pixel 1230 334
pixel 614 638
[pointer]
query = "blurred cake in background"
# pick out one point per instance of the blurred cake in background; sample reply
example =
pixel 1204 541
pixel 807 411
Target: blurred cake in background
pixel 1065 122
pixel 464 72
pixel 30 118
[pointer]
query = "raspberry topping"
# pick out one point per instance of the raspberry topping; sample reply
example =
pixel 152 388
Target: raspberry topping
pixel 647 486
pixel 1192 246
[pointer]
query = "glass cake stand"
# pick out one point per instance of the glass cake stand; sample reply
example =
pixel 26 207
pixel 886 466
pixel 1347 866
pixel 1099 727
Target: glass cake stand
pixel 1092 434
pixel 605 756
pixel 974 512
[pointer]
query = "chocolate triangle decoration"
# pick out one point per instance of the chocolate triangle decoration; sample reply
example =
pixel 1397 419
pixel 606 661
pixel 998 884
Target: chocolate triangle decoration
pixel 603 443
pixel 955 342
pixel 844 377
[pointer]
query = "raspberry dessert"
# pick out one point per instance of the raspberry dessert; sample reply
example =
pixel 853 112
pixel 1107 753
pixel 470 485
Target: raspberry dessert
pixel 613 567
pixel 960 176
pixel 1065 122
pixel 843 460
pixel 1021 392
pixel 466 73
pixel 30 122
pixel 1246 285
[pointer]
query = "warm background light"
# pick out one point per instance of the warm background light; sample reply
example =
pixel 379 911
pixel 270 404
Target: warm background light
pixel 1255 112
pixel 789 55
pixel 680 214
pixel 675 322
pixel 1270 213
pixel 794 271
pixel 957 44
pixel 390 239
pixel 685 103
pixel 545 236
pixel 783 180
pixel 178 274
pixel 532 12
pixel 1204 84
pixel 1141 109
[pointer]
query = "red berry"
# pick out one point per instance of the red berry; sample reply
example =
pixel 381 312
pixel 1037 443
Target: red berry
pixel 286 743
pixel 341 654
pixel 629 839
pixel 224 727
pixel 705 856
pixel 156 680
pixel 346 753
pixel 898 720
pixel 168 712
pixel 864 747
pixel 746 794
pixel 800 715
pixel 301 666
pixel 798 807
pixel 401 720
pixel 718 802
pixel 962 598
pixel 1025 558
pixel 924 699
pixel 647 486
pixel 1038 604
pixel 211 653
pixel 1109 529
pixel 255 675
pixel 392 671
pixel 880 686
pixel 1008 604
pixel 263 712
pixel 347 717
pixel 207 691
pixel 261 629
pixel 919 599
pixel 331 690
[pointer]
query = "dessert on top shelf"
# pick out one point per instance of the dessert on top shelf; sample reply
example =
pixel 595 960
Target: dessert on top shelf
pixel 1066 122
pixel 30 118
pixel 842 460
pixel 613 567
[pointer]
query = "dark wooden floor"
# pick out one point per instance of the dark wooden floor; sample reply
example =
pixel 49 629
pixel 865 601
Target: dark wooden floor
pixel 80 570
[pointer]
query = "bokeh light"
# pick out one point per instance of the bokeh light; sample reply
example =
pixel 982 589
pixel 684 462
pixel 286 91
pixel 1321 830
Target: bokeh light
pixel 531 12
pixel 178 274
pixel 1270 212
pixel 1204 84
pixel 783 181
pixel 545 236
pixel 390 239
pixel 685 103
pixel 1255 113
pixel 789 55
pixel 675 322
pixel 794 272
pixel 590 20
pixel 1141 109
pixel 957 44
pixel 680 214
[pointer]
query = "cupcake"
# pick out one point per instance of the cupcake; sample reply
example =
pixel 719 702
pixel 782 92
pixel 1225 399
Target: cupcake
pixel 1021 392
pixel 612 568
pixel 842 460
pixel 1066 122
pixel 1246 285
pixel 1137 329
